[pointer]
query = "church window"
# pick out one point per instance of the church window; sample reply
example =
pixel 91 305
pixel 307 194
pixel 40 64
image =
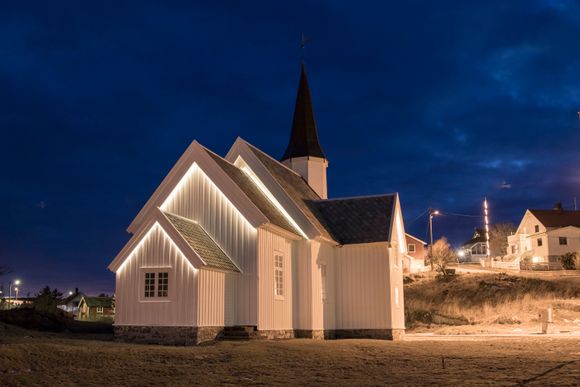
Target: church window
pixel 279 275
pixel 156 284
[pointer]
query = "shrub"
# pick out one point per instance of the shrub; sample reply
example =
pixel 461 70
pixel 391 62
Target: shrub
pixel 442 255
pixel 568 261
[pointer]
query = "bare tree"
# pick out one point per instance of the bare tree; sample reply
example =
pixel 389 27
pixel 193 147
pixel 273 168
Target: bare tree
pixel 498 234
pixel 442 254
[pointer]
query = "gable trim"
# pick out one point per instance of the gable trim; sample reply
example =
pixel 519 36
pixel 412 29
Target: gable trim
pixel 241 149
pixel 196 154
pixel 158 220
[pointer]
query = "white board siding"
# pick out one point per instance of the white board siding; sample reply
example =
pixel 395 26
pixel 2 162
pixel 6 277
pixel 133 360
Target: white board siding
pixel 156 250
pixel 325 255
pixel 216 304
pixel 363 294
pixel 273 313
pixel 198 198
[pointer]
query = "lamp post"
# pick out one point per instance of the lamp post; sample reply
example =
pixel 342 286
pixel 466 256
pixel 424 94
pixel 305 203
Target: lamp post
pixel 10 284
pixel 432 213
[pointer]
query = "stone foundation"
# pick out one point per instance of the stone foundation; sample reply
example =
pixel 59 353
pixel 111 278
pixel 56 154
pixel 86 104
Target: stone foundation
pixel 166 335
pixel 277 334
pixel 381 334
pixel 315 334
pixel 197 335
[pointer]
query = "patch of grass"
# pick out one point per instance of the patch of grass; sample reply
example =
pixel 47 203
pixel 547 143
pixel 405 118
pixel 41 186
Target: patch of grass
pixel 487 299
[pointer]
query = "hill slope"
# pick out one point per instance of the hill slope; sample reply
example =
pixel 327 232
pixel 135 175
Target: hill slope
pixel 470 303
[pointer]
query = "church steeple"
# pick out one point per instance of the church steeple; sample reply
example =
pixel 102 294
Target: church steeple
pixel 304 154
pixel 304 136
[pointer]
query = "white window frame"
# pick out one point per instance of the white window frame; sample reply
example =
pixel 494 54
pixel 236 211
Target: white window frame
pixel 156 271
pixel 411 250
pixel 100 310
pixel 279 272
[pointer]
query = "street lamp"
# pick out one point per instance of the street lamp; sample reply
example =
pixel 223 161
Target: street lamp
pixel 10 284
pixel 432 213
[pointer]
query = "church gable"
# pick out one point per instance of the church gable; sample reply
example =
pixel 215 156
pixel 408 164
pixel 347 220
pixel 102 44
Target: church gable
pixel 196 166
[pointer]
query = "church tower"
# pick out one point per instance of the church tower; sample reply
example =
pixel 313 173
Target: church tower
pixel 304 154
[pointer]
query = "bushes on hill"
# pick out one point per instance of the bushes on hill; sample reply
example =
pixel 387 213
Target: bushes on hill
pixel 569 260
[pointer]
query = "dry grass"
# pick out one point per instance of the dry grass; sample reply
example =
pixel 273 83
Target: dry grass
pixel 491 299
pixel 57 360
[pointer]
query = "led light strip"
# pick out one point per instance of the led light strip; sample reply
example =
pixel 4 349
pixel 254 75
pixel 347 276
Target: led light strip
pixel 486 220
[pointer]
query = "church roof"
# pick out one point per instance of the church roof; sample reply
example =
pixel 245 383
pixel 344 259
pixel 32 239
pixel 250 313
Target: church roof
pixel 364 219
pixel 253 193
pixel 304 136
pixel 294 185
pixel 203 245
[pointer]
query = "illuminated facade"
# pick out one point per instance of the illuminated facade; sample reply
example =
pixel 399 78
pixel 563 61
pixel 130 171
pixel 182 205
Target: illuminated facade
pixel 249 245
pixel 545 235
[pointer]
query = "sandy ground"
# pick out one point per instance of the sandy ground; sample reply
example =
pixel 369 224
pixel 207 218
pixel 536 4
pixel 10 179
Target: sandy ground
pixel 61 360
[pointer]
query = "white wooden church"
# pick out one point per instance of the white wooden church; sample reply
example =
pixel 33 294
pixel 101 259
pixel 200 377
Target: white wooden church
pixel 246 245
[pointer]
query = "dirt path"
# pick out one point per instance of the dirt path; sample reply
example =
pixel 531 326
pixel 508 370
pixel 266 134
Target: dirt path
pixel 504 361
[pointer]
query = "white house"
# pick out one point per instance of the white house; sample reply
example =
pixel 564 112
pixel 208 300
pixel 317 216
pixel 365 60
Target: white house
pixel 475 249
pixel 247 242
pixel 545 235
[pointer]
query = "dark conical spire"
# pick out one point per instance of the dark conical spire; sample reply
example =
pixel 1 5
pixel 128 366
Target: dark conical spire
pixel 304 137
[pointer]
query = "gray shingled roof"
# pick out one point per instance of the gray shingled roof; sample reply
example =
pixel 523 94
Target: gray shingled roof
pixel 294 185
pixel 202 243
pixel 357 220
pixel 253 193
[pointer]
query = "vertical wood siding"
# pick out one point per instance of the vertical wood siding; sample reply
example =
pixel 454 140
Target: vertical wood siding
pixel 216 304
pixel 156 250
pixel 198 198
pixel 323 254
pixel 274 313
pixel 363 294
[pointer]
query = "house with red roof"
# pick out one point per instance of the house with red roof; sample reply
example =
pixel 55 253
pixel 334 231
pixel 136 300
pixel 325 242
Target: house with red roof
pixel 545 235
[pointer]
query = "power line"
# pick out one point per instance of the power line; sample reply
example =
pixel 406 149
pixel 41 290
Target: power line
pixel 464 215
pixel 417 218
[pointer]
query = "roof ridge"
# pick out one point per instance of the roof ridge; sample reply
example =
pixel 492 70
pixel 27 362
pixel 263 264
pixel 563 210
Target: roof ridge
pixel 178 216
pixel 358 197
pixel 273 159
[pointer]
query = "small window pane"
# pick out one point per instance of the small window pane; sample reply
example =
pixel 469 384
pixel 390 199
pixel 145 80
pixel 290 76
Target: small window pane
pixel 563 240
pixel 411 247
pixel 539 241
pixel 162 284
pixel 278 275
pixel 149 285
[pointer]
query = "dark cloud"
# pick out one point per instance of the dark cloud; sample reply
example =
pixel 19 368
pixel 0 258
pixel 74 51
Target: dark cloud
pixel 440 101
